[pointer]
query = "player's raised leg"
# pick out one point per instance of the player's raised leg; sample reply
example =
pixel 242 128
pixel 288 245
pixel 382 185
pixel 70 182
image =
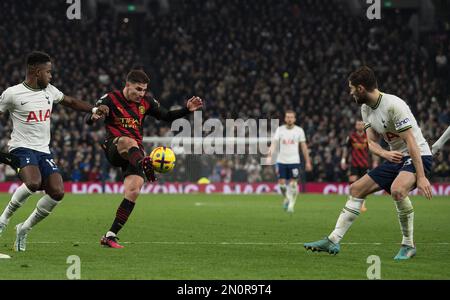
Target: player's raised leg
pixel 358 192
pixel 400 188
pixel 129 149
pixel 132 186
pixel 31 178
pixel 54 189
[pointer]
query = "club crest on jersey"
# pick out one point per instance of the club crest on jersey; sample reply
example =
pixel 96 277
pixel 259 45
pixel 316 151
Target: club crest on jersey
pixel 38 116
pixel 142 109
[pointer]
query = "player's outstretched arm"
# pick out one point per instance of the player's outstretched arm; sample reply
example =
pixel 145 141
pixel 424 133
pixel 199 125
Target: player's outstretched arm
pixel 162 113
pixel 91 118
pixel 84 106
pixel 422 182
pixel 441 141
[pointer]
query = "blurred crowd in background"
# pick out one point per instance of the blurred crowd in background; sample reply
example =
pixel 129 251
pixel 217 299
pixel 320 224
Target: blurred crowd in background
pixel 245 59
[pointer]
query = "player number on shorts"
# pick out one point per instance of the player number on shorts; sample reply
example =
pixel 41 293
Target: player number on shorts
pixel 295 172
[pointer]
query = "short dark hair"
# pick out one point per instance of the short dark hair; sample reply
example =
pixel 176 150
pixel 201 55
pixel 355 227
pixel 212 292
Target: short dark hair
pixel 289 111
pixel 137 76
pixel 37 58
pixel 364 76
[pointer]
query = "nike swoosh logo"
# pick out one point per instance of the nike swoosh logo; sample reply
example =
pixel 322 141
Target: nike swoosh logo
pixel 23 103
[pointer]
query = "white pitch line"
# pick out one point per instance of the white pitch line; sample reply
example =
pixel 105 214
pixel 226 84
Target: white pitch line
pixel 226 243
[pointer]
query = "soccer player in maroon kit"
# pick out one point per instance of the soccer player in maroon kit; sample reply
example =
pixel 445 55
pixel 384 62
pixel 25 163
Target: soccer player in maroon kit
pixel 123 142
pixel 359 153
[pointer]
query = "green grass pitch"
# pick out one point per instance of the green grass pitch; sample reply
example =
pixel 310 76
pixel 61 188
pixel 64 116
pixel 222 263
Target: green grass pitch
pixel 225 237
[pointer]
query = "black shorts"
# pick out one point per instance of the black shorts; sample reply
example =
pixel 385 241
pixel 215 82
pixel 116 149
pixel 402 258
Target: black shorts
pixel 358 171
pixel 115 159
pixel 385 174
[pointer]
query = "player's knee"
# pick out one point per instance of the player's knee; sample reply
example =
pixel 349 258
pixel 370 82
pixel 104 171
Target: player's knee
pixel 33 185
pixel 356 190
pixel 57 195
pixel 398 193
pixel 132 193
pixel 127 143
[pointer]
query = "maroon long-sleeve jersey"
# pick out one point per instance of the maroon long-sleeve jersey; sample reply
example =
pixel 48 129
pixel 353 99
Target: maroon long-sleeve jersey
pixel 126 118
pixel 359 150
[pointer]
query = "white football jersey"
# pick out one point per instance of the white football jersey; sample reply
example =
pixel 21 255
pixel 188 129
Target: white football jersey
pixel 390 116
pixel 30 111
pixel 288 141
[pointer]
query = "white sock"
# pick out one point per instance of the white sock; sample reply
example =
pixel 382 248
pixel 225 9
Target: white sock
pixel 349 214
pixel 19 197
pixel 283 189
pixel 293 192
pixel 405 213
pixel 43 208
pixel 110 233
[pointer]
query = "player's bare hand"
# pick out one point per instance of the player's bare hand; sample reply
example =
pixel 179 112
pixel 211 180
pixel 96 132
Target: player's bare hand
pixel 424 187
pixel 194 103
pixel 102 110
pixel 308 167
pixel 393 156
pixel 96 117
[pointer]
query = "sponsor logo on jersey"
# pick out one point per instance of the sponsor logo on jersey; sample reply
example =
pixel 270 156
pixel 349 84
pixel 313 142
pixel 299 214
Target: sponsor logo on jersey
pixel 401 123
pixel 287 142
pixel 38 116
pixel 127 122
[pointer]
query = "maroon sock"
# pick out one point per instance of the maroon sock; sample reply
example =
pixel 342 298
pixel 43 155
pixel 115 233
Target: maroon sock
pixel 135 155
pixel 122 214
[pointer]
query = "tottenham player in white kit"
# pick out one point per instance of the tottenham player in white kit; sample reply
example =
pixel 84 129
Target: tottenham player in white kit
pixel 30 106
pixel 406 166
pixel 287 141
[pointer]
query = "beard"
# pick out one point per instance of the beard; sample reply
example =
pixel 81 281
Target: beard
pixel 361 99
pixel 41 84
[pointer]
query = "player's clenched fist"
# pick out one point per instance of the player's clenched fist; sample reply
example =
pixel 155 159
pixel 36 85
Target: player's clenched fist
pixel 102 110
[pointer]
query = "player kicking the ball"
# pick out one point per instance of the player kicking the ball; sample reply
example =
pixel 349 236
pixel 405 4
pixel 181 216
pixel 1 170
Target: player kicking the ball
pixel 288 140
pixel 30 105
pixel 407 162
pixel 123 144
